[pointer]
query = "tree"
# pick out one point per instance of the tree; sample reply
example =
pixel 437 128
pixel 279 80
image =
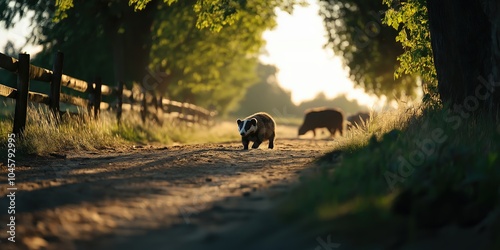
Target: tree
pixel 206 67
pixel 368 48
pixel 466 47
pixel 94 35
pixel 162 46
pixel 267 96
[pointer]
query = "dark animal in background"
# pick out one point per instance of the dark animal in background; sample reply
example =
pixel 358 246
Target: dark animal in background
pixel 330 118
pixel 358 120
pixel 257 128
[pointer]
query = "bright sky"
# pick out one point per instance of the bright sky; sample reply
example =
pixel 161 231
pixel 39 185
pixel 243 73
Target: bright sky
pixel 17 35
pixel 295 46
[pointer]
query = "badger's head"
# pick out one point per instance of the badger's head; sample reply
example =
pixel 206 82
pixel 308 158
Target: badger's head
pixel 302 130
pixel 247 127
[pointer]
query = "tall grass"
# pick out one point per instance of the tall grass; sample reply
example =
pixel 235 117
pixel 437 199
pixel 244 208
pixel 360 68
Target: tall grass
pixel 173 131
pixel 425 164
pixel 377 125
pixel 46 133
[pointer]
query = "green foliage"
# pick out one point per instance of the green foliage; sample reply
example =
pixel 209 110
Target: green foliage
pixel 204 67
pixel 141 4
pixel 161 46
pixel 61 7
pixel 369 51
pixel 216 14
pixel 212 14
pixel 410 19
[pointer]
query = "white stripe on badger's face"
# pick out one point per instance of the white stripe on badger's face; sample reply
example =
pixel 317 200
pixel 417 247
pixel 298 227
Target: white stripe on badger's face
pixel 242 129
pixel 245 131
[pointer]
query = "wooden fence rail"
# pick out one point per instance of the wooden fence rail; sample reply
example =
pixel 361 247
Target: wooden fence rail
pixel 148 104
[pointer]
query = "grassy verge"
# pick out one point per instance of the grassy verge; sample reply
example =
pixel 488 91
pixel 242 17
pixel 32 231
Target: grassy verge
pixel 45 134
pixel 173 131
pixel 407 172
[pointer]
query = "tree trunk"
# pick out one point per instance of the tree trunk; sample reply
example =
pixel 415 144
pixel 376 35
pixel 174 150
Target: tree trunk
pixel 129 33
pixel 464 37
pixel 138 41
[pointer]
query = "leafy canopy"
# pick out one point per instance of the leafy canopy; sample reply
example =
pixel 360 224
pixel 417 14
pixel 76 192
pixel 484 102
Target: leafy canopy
pixel 169 46
pixel 213 14
pixel 368 48
pixel 210 68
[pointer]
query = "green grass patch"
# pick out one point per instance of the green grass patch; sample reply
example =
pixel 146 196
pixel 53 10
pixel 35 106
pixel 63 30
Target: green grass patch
pixel 427 165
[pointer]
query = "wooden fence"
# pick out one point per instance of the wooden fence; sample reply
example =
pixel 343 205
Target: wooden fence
pixel 150 105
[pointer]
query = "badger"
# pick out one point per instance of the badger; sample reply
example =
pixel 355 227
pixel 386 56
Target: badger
pixel 257 128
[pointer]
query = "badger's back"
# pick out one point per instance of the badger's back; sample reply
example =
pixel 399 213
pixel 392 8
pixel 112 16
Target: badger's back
pixel 264 121
pixel 323 117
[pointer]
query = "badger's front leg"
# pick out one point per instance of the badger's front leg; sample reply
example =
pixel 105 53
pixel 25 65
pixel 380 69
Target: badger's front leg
pixel 245 142
pixel 256 144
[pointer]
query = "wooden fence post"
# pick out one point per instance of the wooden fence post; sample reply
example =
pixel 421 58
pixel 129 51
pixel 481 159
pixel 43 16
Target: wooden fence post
pixel 97 94
pixel 144 106
pixel 23 85
pixel 91 97
pixel 55 86
pixel 160 111
pixel 119 102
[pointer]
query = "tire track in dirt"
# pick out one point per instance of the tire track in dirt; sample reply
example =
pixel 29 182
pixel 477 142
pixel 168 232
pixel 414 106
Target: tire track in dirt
pixel 108 200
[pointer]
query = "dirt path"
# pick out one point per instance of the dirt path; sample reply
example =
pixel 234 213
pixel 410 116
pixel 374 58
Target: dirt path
pixel 178 197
